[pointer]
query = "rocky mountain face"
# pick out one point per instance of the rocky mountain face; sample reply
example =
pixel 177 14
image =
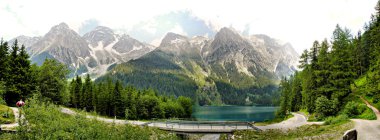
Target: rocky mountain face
pixel 92 53
pixel 25 40
pixel 229 69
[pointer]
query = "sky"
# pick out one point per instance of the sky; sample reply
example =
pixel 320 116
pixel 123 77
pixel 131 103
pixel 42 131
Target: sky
pixel 298 22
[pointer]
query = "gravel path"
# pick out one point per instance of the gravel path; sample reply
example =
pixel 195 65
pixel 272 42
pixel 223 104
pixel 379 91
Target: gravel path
pixel 116 121
pixel 294 122
pixel 368 129
pixel 12 126
pixel 211 137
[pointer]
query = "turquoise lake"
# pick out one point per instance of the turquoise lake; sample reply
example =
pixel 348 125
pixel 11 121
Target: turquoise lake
pixel 234 113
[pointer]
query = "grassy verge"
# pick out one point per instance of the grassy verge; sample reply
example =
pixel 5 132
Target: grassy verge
pixel 368 114
pixel 95 114
pixel 6 115
pixel 334 131
pixel 92 113
pixel 45 121
pixel 275 120
pixel 310 117
pixel 370 100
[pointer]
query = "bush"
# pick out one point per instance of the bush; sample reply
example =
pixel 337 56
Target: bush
pixel 376 98
pixel 352 109
pixel 325 107
pixel 336 119
pixel 358 110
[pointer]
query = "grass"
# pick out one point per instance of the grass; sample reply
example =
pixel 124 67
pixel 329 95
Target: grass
pixel 370 100
pixel 275 120
pixel 336 120
pixel 95 114
pixel 310 117
pixel 334 131
pixel 6 115
pixel 46 121
pixel 368 114
pixel 361 85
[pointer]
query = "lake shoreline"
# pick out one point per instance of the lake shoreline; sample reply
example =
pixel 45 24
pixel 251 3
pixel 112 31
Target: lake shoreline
pixel 234 113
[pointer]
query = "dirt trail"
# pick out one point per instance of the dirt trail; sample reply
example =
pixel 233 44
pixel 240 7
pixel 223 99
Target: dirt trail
pixel 116 121
pixel 12 126
pixel 294 122
pixel 368 129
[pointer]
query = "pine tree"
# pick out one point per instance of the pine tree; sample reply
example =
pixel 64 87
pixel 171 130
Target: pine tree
pixel 323 72
pixel 109 98
pixel 296 93
pixel 341 63
pixel 304 59
pixel 117 102
pixel 19 82
pixel 78 92
pixel 27 85
pixel 52 80
pixel 73 97
pixel 285 93
pixel 87 93
pixel 314 54
pixel 4 60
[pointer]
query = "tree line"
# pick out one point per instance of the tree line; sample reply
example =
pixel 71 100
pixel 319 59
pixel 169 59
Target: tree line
pixel 19 79
pixel 113 99
pixel 330 68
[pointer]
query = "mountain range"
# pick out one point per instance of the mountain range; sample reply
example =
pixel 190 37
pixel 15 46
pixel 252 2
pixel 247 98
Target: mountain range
pixel 91 53
pixel 227 69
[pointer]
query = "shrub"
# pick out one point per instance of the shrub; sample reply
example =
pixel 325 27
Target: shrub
pixel 336 119
pixel 325 107
pixel 353 109
pixel 376 98
pixel 358 110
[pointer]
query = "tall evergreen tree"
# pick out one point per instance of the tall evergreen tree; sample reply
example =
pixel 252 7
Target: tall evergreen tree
pixel 52 80
pixel 285 93
pixel 73 99
pixel 341 64
pixel 117 102
pixel 87 93
pixel 314 54
pixel 296 93
pixel 4 60
pixel 323 72
pixel 19 82
pixel 304 60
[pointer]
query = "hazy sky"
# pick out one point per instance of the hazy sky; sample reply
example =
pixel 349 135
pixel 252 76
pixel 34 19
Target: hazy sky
pixel 299 22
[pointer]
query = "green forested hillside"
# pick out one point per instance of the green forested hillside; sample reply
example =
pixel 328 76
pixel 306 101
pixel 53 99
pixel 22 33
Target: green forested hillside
pixel 19 80
pixel 226 70
pixel 45 87
pixel 158 70
pixel 112 99
pixel 335 74
pixel 46 121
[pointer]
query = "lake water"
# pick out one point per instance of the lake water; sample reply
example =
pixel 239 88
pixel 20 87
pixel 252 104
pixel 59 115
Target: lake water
pixel 234 113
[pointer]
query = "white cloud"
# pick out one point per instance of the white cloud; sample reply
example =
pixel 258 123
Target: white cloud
pixel 299 22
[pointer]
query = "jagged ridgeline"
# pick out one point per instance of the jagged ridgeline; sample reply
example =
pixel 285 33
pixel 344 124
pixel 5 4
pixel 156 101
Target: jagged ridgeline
pixel 91 53
pixel 229 69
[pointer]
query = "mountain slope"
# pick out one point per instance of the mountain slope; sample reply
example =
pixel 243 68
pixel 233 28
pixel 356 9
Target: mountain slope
pixel 230 68
pixel 173 68
pixel 93 53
